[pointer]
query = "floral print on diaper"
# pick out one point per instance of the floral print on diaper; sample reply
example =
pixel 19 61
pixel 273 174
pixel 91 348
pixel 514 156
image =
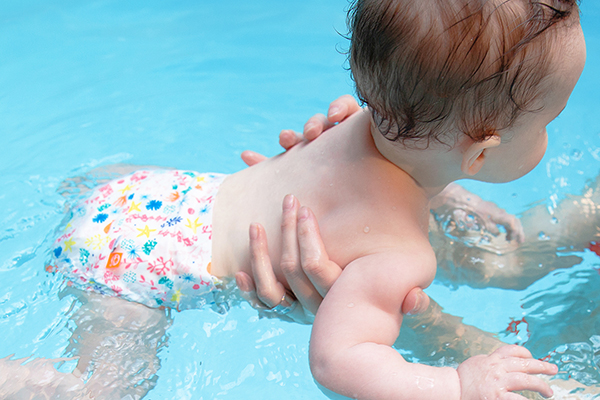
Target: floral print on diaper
pixel 145 237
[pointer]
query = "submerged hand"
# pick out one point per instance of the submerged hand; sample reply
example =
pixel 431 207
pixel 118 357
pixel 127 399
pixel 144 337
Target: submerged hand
pixel 498 375
pixel 460 201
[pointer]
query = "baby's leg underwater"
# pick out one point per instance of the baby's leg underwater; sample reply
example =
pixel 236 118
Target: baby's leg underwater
pixel 38 379
pixel 117 342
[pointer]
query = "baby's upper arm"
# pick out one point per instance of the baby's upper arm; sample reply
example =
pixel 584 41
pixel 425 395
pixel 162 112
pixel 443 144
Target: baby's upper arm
pixel 364 304
pixel 351 344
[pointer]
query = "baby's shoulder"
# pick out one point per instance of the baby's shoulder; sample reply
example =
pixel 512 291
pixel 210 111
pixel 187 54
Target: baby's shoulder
pixel 414 257
pixel 410 260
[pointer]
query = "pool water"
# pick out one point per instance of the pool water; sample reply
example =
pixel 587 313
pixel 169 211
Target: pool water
pixel 191 84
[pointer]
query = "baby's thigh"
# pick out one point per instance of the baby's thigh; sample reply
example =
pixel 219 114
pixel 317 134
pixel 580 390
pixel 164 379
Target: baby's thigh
pixel 117 343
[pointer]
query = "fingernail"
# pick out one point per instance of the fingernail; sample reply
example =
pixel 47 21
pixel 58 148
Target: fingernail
pixel 416 307
pixel 309 126
pixel 253 231
pixel 303 213
pixel 288 202
pixel 333 111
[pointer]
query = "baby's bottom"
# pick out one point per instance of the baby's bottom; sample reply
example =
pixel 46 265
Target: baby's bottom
pixel 116 343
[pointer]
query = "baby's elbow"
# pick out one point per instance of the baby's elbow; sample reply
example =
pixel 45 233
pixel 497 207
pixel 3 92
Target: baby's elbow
pixel 324 369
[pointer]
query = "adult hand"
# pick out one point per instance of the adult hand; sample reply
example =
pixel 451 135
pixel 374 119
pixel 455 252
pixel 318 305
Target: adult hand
pixel 340 109
pixel 305 265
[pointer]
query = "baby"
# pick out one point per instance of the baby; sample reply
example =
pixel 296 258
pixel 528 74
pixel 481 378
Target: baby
pixel 456 89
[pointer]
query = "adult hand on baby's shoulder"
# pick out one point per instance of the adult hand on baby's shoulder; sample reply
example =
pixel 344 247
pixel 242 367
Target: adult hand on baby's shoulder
pixel 498 375
pixel 305 264
pixel 251 157
pixel 339 109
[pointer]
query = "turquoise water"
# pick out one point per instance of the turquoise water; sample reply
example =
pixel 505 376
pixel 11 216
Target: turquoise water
pixel 191 84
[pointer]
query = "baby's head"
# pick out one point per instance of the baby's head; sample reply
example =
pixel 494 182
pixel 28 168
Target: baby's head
pixel 436 70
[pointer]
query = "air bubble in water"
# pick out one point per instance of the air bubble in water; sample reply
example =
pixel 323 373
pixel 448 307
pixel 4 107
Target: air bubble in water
pixel 576 155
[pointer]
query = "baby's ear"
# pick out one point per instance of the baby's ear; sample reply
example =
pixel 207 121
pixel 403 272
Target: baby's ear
pixel 474 154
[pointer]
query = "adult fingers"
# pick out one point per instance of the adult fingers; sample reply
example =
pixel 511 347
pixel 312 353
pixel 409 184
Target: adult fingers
pixel 341 108
pixel 251 157
pixel 268 289
pixel 308 295
pixel 289 138
pixel 317 266
pixel 415 302
pixel 491 226
pixel 316 125
pixel 512 224
pixel 247 289
pixel 514 230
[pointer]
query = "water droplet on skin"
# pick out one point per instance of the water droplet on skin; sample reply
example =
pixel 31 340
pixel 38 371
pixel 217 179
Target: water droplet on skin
pixel 367 229
pixel 425 383
pixel 350 305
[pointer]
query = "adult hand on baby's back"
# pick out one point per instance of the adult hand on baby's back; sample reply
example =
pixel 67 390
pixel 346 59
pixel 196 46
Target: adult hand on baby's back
pixel 305 264
pixel 498 375
pixel 339 109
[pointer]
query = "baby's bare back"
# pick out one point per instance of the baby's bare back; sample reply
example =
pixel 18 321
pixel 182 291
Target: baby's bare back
pixel 362 202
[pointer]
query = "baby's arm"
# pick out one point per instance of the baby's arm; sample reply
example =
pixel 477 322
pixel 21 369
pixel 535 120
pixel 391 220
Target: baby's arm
pixel 355 327
pixel 454 197
pixel 359 321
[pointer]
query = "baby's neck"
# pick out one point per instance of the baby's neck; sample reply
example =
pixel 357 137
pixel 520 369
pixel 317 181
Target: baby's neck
pixel 432 168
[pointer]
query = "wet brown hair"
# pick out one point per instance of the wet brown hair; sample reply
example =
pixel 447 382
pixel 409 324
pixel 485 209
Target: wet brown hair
pixel 425 67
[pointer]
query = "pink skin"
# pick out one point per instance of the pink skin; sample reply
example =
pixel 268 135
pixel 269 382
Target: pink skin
pixel 510 368
pixel 315 275
pixel 271 291
pixel 312 278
